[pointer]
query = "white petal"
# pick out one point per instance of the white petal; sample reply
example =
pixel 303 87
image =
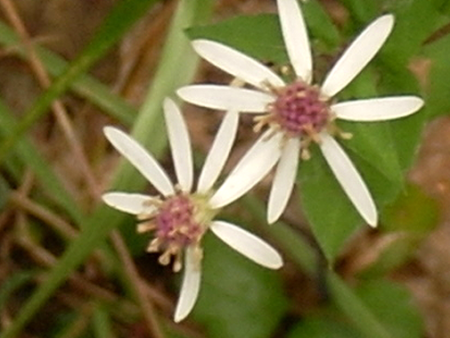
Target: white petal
pixel 349 178
pixel 237 64
pixel 296 38
pixel 247 244
pixel 358 55
pixel 379 109
pixel 140 159
pixel 226 98
pixel 255 164
pixel 219 152
pixel 191 285
pixel 180 144
pixel 283 182
pixel 134 204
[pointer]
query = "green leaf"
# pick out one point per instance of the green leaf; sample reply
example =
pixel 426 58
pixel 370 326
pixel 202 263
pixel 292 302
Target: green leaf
pixel 330 213
pixel 321 327
pixel 407 134
pixel 381 152
pixel 363 86
pixel 438 86
pixel 415 21
pixel 373 143
pixel 319 24
pixel 383 189
pixel 238 298
pixel 363 11
pixel 392 304
pixel 375 309
pixel 443 6
pixel 259 36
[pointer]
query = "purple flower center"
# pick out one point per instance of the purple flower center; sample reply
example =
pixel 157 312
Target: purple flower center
pixel 175 223
pixel 178 222
pixel 299 110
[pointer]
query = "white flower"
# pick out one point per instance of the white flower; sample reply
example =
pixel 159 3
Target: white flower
pixel 299 111
pixel 179 217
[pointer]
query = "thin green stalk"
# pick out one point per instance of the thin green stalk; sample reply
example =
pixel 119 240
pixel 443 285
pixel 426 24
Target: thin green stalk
pixel 172 73
pixel 354 308
pixel 299 250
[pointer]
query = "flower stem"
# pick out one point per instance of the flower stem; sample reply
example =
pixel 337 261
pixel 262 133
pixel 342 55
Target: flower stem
pixel 354 308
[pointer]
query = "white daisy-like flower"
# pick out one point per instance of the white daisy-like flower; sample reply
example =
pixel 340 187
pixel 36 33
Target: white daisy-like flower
pixel 299 111
pixel 179 217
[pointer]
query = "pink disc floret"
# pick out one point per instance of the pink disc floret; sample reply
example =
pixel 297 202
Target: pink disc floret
pixel 299 110
pixel 175 223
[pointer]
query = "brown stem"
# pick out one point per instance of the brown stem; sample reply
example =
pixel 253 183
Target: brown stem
pixel 438 34
pixel 57 223
pixel 147 307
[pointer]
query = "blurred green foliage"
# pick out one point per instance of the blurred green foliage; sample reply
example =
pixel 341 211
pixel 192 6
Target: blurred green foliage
pixel 238 298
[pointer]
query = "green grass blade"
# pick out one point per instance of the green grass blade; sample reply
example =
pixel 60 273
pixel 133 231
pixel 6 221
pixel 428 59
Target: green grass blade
pixel 86 86
pixel 171 74
pixel 30 156
pixel 101 322
pixel 115 25
pixel 14 167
